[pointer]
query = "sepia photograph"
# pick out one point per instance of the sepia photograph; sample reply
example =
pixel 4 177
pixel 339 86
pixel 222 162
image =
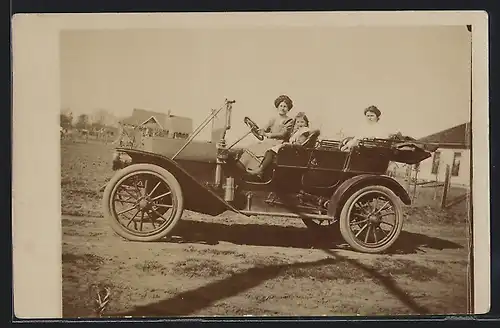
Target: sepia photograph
pixel 267 169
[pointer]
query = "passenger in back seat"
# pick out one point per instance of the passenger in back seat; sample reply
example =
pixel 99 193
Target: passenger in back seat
pixel 371 129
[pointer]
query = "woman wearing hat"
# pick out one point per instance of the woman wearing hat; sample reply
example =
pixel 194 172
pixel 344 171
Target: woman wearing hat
pixel 371 129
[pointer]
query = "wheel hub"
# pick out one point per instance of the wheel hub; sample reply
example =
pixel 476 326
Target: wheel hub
pixel 143 203
pixel 375 219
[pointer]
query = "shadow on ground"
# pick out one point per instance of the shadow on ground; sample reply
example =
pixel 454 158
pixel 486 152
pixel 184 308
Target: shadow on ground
pixel 294 237
pixel 192 301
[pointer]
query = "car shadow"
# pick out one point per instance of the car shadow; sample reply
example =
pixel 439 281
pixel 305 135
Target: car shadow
pixel 411 243
pixel 191 301
pixel 288 236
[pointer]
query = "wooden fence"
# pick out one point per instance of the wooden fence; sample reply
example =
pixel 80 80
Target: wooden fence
pixel 443 194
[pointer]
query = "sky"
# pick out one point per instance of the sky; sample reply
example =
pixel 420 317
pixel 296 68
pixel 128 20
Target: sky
pixel 419 77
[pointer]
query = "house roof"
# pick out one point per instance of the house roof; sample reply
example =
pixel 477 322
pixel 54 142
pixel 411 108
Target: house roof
pixel 140 116
pixel 456 137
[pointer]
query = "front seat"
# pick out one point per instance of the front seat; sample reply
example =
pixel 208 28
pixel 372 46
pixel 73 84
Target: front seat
pixel 311 140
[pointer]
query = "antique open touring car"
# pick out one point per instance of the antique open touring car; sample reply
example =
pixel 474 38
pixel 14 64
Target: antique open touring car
pixel 314 181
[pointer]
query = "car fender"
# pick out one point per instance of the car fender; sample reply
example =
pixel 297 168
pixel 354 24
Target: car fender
pixel 197 196
pixel 349 186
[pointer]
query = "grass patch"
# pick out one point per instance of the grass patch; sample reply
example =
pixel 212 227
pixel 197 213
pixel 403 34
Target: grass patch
pixel 85 261
pixel 202 268
pixel 85 167
pixel 341 271
pixel 95 234
pixel 215 252
pixel 209 251
pixel 151 266
pixel 76 223
pixel 432 215
pixel 346 272
pixel 260 262
pixel 407 268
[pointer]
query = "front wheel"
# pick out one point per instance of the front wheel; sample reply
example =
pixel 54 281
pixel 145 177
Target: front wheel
pixel 371 219
pixel 143 202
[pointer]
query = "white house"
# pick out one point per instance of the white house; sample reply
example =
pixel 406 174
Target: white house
pixel 454 150
pixel 177 126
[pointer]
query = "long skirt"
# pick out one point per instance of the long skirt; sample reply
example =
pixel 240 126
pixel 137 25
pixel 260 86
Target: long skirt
pixel 254 154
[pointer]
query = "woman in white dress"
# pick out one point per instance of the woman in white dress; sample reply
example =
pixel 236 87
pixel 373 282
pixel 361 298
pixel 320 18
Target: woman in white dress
pixel 371 129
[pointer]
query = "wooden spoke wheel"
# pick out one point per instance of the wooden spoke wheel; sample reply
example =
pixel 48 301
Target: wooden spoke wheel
pixel 143 202
pixel 371 219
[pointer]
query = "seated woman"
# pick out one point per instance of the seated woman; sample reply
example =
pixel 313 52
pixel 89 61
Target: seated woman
pixel 371 129
pixel 276 131
pixel 279 126
pixel 299 136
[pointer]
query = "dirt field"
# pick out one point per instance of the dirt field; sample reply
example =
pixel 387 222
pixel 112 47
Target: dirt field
pixel 230 265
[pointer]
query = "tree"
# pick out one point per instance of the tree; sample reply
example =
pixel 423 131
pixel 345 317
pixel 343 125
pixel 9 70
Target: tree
pixel 66 120
pixel 99 118
pixel 82 122
pixel 103 118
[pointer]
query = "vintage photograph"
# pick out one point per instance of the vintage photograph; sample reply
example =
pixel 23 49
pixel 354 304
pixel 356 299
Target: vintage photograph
pixel 239 164
pixel 250 165
pixel 266 171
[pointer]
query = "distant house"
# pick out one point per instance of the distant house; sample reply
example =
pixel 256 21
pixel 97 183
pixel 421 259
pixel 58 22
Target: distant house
pixel 176 126
pixel 110 131
pixel 454 146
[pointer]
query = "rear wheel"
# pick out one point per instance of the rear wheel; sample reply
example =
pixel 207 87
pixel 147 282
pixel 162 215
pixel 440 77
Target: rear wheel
pixel 143 202
pixel 371 219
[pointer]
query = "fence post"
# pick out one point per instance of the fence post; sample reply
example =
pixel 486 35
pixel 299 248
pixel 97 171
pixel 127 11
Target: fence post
pixel 408 176
pixel 436 187
pixel 446 186
pixel 417 169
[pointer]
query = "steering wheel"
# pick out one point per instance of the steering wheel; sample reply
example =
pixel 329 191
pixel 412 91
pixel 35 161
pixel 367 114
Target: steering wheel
pixel 254 128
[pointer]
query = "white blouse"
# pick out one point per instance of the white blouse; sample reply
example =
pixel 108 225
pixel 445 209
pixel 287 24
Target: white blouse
pixel 372 130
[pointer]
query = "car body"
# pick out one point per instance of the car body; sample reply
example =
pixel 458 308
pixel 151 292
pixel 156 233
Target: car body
pixel 316 182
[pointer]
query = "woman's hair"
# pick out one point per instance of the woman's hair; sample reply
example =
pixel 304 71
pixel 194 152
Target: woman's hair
pixel 373 109
pixel 283 98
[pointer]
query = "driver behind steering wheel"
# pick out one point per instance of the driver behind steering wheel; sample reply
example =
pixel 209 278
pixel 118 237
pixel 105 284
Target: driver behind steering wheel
pixel 280 126
pixel 276 131
pixel 300 132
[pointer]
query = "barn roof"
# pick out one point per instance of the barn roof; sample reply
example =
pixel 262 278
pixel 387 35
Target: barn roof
pixel 456 137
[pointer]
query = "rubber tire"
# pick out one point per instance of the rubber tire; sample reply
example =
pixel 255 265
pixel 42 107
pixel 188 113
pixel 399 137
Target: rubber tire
pixel 173 185
pixel 346 232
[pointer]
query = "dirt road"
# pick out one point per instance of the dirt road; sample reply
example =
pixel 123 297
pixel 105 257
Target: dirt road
pixel 240 266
